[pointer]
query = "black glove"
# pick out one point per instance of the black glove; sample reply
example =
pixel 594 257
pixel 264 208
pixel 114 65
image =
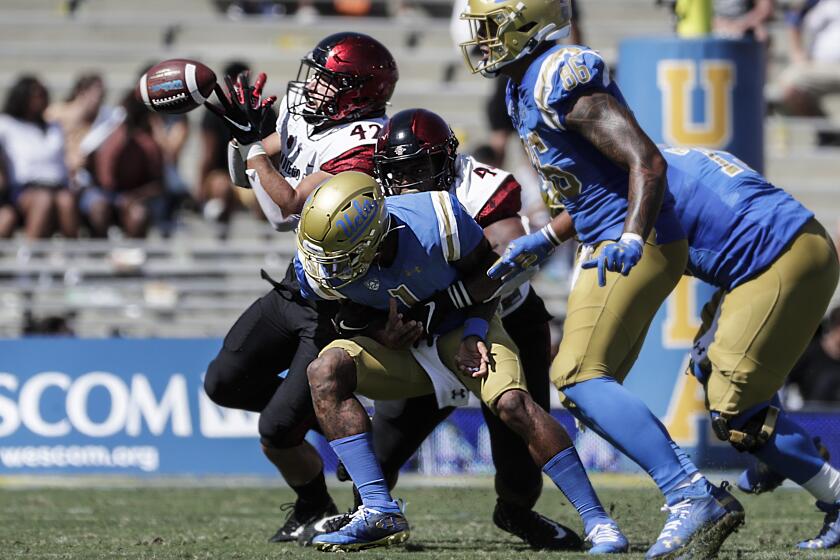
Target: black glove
pixel 431 311
pixel 243 109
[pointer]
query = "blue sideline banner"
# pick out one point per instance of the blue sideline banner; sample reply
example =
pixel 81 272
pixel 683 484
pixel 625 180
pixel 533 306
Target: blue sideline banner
pixel 697 92
pixel 123 406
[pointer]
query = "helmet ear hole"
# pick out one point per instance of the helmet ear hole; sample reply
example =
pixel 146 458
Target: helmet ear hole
pixel 527 27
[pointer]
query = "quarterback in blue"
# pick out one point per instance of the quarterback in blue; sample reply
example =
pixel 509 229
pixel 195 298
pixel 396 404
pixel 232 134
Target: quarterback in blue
pixel 416 264
pixel 598 165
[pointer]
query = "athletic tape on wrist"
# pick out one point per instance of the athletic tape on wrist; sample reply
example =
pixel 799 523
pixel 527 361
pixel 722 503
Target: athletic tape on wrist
pixel 252 150
pixel 476 326
pixel 627 236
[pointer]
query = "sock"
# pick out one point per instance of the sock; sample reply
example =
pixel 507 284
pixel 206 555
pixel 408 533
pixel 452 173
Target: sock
pixel 621 418
pixel 314 493
pixel 791 452
pixel 567 472
pixel 825 485
pixel 356 452
pixel 689 467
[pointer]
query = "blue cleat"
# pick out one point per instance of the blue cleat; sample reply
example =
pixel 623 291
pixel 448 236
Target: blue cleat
pixel 761 478
pixel 606 538
pixel 829 536
pixel 366 528
pixel 701 518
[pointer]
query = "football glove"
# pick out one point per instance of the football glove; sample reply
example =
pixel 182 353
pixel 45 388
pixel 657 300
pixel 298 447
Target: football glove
pixel 243 108
pixel 523 253
pixel 431 311
pixel 620 256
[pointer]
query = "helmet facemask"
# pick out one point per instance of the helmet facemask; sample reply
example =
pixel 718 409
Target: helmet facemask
pixel 418 172
pixel 318 93
pixel 334 271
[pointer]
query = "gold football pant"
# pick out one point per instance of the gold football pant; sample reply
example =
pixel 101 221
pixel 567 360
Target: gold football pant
pixel 606 326
pixel 383 373
pixel 763 325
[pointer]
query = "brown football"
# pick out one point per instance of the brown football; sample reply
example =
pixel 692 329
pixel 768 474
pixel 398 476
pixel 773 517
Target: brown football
pixel 176 86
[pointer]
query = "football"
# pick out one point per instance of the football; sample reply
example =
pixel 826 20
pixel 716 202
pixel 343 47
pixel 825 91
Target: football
pixel 176 86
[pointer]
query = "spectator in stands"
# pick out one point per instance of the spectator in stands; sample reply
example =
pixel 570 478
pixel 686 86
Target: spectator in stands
pixel 814 69
pixel 216 193
pixel 76 116
pixel 8 215
pixel 34 167
pixel 817 373
pixel 171 133
pixel 738 19
pixel 128 174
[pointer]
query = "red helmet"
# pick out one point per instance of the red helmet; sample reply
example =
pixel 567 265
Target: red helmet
pixel 415 151
pixel 345 77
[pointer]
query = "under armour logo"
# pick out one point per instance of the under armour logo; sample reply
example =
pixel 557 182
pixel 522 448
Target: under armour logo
pixel 459 393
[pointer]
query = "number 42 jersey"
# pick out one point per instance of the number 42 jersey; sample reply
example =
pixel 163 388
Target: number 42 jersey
pixel 576 175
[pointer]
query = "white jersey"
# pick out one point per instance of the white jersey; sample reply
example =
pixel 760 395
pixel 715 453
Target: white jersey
pixel 303 152
pixel 475 184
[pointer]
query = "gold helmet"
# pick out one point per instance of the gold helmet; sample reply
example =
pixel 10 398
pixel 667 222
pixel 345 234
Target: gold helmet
pixel 341 226
pixel 505 30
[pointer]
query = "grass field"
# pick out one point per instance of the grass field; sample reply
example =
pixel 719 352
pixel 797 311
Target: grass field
pixel 201 522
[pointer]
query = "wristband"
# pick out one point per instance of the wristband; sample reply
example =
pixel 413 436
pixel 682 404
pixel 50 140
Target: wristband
pixel 632 237
pixel 475 326
pixel 549 234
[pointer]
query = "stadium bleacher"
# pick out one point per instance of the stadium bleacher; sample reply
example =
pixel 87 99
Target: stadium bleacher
pixel 192 284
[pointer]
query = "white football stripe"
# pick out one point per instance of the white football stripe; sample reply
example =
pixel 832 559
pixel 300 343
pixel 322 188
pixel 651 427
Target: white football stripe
pixel 144 92
pixel 192 86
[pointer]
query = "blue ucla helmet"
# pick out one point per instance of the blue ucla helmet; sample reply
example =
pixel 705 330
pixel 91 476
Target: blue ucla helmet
pixel 503 31
pixel 341 226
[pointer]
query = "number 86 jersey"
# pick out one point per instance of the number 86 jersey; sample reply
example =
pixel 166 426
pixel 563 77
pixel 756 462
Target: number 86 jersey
pixel 576 175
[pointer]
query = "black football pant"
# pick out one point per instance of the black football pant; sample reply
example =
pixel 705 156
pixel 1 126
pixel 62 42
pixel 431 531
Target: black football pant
pixel 277 332
pixel 399 427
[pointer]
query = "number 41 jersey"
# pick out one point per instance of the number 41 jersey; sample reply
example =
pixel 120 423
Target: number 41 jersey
pixel 576 175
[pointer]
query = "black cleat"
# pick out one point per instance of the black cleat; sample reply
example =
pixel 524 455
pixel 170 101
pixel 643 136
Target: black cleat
pixel 328 524
pixel 299 517
pixel 538 531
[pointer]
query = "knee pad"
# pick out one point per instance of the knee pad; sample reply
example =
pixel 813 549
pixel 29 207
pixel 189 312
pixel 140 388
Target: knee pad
pixel 752 433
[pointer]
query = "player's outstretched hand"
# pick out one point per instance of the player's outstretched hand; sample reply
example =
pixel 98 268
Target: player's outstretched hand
pixel 522 253
pixel 243 108
pixel 473 357
pixel 620 256
pixel 398 333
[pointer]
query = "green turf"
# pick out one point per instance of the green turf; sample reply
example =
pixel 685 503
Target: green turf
pixel 184 523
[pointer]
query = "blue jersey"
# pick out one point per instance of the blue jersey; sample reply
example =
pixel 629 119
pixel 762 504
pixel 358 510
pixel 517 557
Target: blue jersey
pixel 575 174
pixel 736 222
pixel 433 231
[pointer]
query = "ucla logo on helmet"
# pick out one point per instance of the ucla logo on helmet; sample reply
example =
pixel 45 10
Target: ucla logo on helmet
pixel 354 222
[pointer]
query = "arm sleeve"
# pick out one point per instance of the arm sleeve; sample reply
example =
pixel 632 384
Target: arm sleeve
pixel 564 76
pixel 506 202
pixel 358 158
